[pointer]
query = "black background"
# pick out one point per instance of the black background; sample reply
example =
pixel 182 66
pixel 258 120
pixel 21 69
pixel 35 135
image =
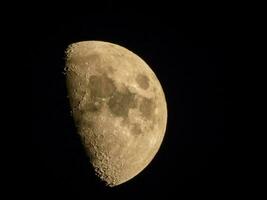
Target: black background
pixel 187 56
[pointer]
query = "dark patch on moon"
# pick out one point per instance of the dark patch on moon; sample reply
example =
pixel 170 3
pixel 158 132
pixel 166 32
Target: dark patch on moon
pixel 136 129
pixel 147 107
pixel 101 86
pixel 89 124
pixel 93 106
pixel 121 102
pixel 142 81
pixel 110 69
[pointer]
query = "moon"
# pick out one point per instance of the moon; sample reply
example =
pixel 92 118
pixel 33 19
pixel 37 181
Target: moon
pixel 118 106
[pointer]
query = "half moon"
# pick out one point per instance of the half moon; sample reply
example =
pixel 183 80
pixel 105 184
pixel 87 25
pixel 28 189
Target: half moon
pixel 118 106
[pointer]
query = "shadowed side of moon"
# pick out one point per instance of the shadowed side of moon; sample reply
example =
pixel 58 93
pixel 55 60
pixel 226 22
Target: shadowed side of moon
pixel 118 106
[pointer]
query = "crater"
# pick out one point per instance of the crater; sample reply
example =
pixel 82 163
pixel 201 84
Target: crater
pixel 142 81
pixel 147 107
pixel 101 86
pixel 120 103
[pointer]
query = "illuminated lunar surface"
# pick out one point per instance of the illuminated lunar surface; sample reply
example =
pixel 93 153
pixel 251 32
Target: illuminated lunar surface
pixel 118 106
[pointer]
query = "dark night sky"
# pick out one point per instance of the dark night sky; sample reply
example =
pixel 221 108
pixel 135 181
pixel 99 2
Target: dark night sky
pixel 188 61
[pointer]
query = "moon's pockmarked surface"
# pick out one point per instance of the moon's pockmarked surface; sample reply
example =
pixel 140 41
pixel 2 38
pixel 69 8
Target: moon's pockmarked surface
pixel 118 106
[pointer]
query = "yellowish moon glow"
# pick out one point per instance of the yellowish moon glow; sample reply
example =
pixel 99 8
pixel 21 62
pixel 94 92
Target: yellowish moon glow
pixel 118 106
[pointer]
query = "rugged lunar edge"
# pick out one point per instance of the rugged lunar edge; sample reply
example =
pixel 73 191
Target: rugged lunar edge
pixel 118 106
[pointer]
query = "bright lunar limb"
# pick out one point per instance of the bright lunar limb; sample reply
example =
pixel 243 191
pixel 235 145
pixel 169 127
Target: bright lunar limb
pixel 118 106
